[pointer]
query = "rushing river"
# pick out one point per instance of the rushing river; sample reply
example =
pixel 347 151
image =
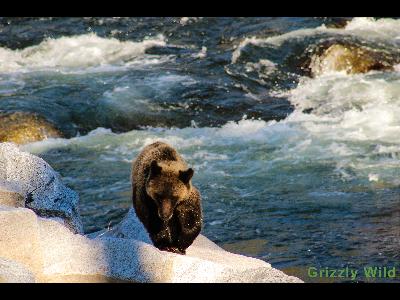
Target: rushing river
pixel 296 170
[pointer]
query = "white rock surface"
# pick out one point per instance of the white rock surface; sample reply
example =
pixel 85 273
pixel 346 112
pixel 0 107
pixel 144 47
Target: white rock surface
pixel 19 237
pixel 204 261
pixel 53 253
pixel 13 272
pixel 30 173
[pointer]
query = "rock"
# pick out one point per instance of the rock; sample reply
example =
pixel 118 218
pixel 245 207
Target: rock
pixel 336 22
pixel 55 254
pixel 35 178
pixel 30 250
pixel 350 59
pixel 11 195
pixel 130 228
pixel 19 238
pixel 13 272
pixel 22 128
pixel 204 262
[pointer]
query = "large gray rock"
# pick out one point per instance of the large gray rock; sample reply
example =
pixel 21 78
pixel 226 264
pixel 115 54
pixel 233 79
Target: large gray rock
pixel 40 184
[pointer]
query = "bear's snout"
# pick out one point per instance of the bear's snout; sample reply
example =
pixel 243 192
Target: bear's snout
pixel 165 210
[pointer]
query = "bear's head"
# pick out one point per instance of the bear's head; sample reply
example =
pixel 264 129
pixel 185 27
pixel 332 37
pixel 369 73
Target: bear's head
pixel 167 185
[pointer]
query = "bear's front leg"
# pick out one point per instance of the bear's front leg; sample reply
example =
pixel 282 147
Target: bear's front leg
pixel 190 220
pixel 165 239
pixel 162 239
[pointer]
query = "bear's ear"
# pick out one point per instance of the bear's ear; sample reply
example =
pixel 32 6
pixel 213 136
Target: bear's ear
pixel 185 176
pixel 155 169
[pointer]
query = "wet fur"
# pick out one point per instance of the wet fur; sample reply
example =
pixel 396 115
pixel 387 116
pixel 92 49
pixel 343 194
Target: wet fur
pixel 179 232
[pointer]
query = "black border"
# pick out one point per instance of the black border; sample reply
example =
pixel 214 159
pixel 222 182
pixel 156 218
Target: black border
pixel 259 8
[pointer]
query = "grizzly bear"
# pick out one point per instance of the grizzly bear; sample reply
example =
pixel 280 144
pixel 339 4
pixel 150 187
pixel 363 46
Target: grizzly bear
pixel 164 198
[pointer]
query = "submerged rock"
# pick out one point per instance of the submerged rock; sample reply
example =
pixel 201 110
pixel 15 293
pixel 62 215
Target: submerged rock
pixel 337 22
pixel 40 185
pixel 22 128
pixel 350 59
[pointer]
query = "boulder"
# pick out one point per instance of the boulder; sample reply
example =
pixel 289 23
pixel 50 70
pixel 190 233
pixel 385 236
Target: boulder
pixel 336 22
pixel 55 254
pixel 41 186
pixel 22 128
pixel 350 59
pixel 204 261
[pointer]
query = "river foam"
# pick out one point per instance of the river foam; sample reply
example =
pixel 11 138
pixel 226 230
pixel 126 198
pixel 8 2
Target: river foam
pixel 346 121
pixel 77 52
pixel 386 30
pixel 352 127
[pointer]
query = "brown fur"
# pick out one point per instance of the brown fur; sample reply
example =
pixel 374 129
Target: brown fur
pixel 164 198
